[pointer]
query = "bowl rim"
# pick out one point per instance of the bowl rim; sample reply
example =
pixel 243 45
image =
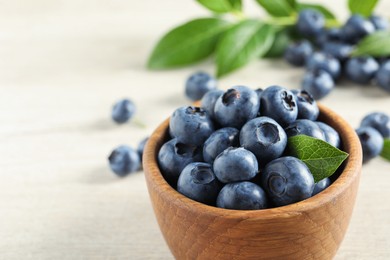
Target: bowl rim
pixel 351 171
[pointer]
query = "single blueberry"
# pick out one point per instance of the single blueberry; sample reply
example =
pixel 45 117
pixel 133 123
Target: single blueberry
pixel 310 22
pixel 318 83
pixel 236 106
pixel 141 147
pixel 307 106
pixel 209 99
pixel 242 195
pixel 361 69
pixel 197 181
pixel 287 180
pixel 219 141
pixel 235 164
pixel 329 35
pixel 264 137
pixel 279 104
pixel 371 141
pixel 331 135
pixel 124 160
pixel 378 120
pixel 321 185
pixel 199 84
pixel 174 156
pixel 191 125
pixel 305 127
pixel 297 53
pixel 326 62
pixel 383 76
pixel 339 50
pixel 123 110
pixel 357 28
pixel 380 23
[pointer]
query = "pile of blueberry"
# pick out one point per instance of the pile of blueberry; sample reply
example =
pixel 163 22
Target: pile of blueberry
pixel 124 159
pixel 326 53
pixel 231 151
pixel 374 128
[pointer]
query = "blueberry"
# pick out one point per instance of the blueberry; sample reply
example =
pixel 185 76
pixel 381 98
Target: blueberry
pixel 242 195
pixel 197 181
pixel 235 164
pixel 331 135
pixel 236 106
pixel 383 76
pixel 279 104
pixel 218 142
pixel 174 156
pixel 361 69
pixel 371 141
pixel 305 127
pixel 378 120
pixel 380 23
pixel 329 35
pixel 123 110
pixel 264 137
pixel 357 28
pixel 321 185
pixel 307 106
pixel 124 160
pixel 318 83
pixel 287 180
pixel 339 50
pixel 191 125
pixel 209 99
pixel 297 53
pixel 310 22
pixel 326 62
pixel 141 147
pixel 199 84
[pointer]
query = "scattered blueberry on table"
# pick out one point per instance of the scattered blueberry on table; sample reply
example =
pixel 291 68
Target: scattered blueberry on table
pixel 124 160
pixel 123 111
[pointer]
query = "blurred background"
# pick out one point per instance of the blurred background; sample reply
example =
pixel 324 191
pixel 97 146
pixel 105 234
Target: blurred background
pixel 63 64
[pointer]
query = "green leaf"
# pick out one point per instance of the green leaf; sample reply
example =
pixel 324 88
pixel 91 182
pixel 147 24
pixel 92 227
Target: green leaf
pixel 292 3
pixel 322 158
pixel 218 6
pixel 278 8
pixel 188 43
pixel 242 43
pixel 279 45
pixel 320 8
pixel 237 4
pixel 376 44
pixel 386 150
pixel 362 7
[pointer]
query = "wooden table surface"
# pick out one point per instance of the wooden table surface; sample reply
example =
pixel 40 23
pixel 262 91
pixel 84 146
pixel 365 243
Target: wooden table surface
pixel 62 66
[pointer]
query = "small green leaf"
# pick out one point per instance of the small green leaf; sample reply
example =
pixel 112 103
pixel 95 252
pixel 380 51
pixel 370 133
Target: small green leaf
pixel 218 6
pixel 292 3
pixel 386 150
pixel 278 8
pixel 242 43
pixel 188 43
pixel 320 8
pixel 376 44
pixel 322 158
pixel 362 7
pixel 281 41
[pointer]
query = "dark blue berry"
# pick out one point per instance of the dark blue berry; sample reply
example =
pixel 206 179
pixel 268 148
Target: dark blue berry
pixel 242 195
pixel 361 69
pixel 198 182
pixel 378 120
pixel 235 164
pixel 383 76
pixel 321 185
pixel 297 53
pixel 141 147
pixel 199 84
pixel 279 104
pixel 305 127
pixel 326 62
pixel 209 99
pixel 287 180
pixel 380 23
pixel 236 106
pixel 124 160
pixel 318 83
pixel 310 22
pixel 307 106
pixel 371 141
pixel 123 110
pixel 264 137
pixel 219 141
pixel 329 35
pixel 357 28
pixel 339 50
pixel 191 125
pixel 331 135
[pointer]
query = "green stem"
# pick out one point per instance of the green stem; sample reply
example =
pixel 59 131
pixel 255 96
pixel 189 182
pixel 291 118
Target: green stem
pixel 138 122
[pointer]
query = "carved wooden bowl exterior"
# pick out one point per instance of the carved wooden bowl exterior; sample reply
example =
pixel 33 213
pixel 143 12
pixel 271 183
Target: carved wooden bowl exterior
pixel 310 229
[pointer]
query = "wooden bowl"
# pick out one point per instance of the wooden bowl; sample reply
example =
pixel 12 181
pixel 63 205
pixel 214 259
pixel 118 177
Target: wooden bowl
pixel 310 229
